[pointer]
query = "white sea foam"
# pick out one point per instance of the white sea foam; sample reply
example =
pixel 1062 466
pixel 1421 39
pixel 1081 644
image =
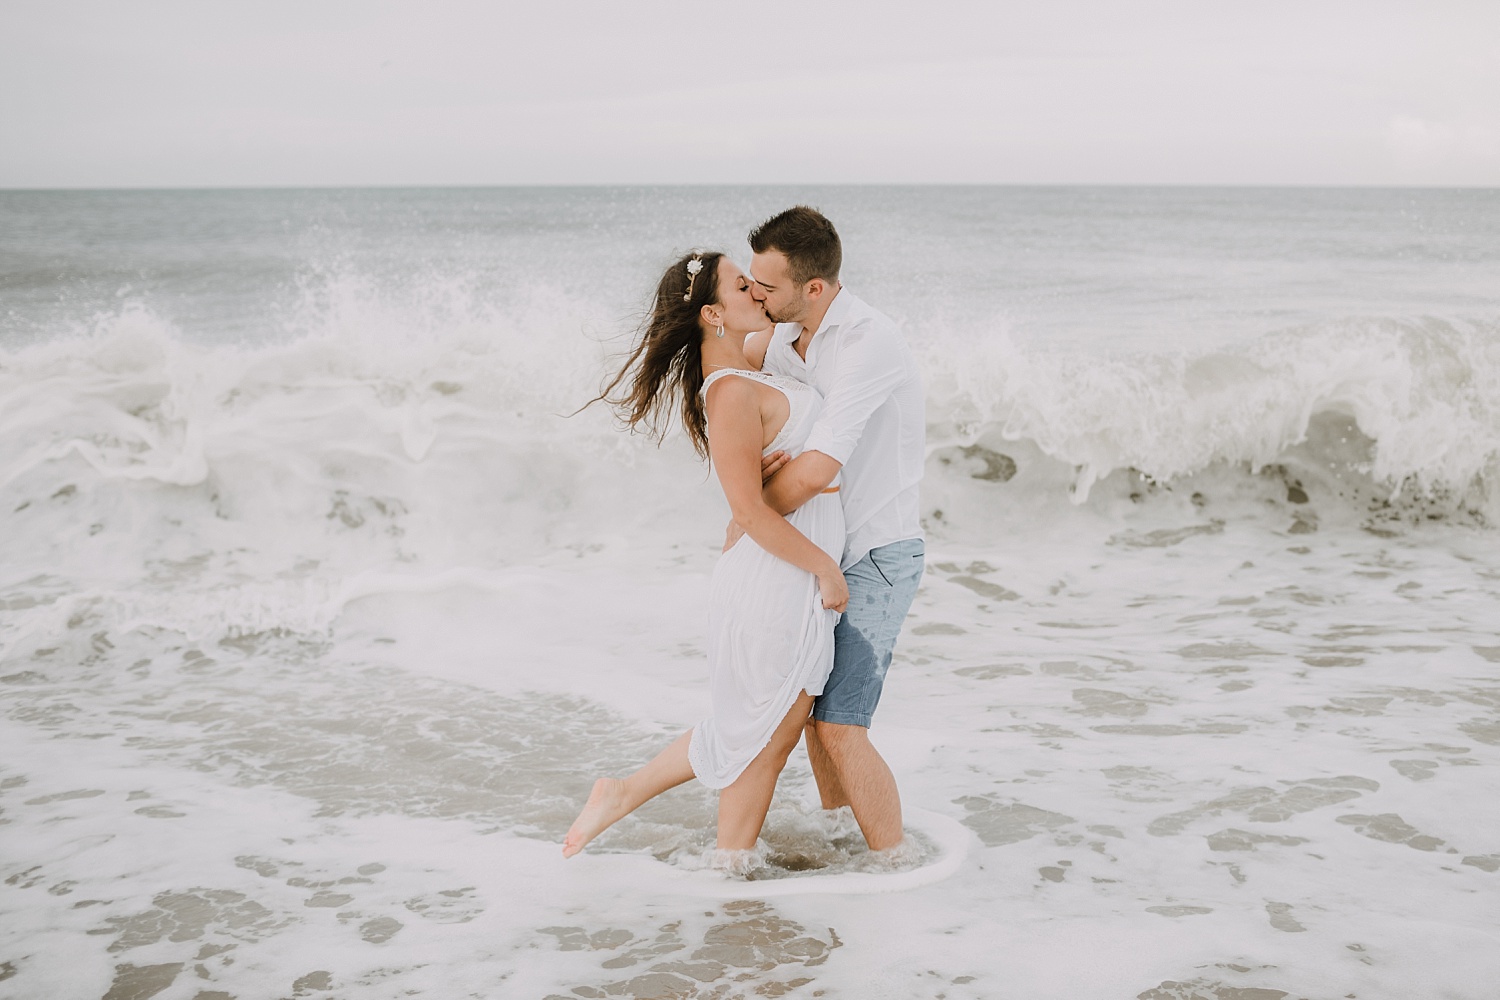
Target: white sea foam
pixel 1420 397
pixel 310 646
pixel 283 476
pixel 934 850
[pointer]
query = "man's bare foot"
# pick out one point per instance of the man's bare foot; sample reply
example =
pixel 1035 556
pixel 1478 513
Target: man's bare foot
pixel 605 805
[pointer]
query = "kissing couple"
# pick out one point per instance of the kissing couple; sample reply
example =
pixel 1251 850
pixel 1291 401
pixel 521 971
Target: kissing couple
pixel 809 404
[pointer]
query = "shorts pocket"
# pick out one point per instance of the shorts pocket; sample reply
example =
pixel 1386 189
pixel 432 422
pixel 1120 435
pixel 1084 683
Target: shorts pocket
pixel 896 567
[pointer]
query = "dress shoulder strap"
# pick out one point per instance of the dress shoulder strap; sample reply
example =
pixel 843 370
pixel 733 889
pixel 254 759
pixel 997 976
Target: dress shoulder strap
pixel 747 373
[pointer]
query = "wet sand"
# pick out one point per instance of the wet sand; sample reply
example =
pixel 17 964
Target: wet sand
pixel 1214 761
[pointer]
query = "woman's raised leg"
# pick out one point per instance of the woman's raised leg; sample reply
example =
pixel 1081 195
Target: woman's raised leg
pixel 615 798
pixel 743 805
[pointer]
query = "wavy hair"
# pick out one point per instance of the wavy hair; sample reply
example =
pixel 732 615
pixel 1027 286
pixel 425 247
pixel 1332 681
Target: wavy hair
pixel 666 363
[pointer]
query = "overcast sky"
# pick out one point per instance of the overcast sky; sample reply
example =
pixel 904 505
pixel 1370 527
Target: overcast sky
pixel 336 92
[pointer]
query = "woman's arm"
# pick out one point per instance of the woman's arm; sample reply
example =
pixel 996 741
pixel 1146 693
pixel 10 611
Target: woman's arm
pixel 734 439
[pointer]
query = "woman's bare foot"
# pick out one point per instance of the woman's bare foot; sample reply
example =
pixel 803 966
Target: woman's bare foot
pixel 606 804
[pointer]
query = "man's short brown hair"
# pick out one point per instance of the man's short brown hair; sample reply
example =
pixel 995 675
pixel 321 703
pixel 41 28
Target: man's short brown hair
pixel 808 241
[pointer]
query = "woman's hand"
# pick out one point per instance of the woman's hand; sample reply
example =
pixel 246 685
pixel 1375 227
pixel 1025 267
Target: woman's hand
pixel 834 588
pixel 772 464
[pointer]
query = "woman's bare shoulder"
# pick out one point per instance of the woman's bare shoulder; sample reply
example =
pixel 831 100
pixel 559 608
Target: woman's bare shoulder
pixel 731 388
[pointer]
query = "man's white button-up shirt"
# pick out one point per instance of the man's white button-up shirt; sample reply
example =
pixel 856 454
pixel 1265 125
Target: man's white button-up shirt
pixel 873 420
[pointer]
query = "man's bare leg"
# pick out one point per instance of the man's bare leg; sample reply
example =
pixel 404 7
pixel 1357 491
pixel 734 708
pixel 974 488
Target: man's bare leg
pixel 615 798
pixel 866 781
pixel 830 788
pixel 743 805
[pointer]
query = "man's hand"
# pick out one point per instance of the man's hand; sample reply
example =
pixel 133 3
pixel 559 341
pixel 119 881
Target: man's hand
pixel 771 464
pixel 732 534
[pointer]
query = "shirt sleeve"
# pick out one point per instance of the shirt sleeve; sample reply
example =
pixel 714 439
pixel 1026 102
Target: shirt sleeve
pixel 773 361
pixel 869 367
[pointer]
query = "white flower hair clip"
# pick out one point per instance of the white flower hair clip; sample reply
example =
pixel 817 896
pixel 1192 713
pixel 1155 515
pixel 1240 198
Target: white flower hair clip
pixel 693 267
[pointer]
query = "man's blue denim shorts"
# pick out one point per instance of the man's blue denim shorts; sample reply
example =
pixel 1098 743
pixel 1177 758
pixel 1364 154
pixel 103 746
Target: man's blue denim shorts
pixel 882 586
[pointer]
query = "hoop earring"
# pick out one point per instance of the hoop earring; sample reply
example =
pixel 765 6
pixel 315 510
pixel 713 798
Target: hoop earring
pixel 720 332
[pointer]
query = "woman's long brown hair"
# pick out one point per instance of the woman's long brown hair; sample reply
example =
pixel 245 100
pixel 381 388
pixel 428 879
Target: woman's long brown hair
pixel 667 361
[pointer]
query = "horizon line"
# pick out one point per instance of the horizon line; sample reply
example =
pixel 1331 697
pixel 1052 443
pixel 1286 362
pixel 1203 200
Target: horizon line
pixel 1143 185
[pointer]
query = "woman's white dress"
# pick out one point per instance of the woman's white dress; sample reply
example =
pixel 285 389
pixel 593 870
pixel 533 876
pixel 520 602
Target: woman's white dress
pixel 770 636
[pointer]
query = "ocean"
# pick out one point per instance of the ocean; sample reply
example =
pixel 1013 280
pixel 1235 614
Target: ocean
pixel 322 602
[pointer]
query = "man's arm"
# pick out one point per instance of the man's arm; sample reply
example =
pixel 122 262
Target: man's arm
pixel 788 485
pixel 870 366
pixel 756 345
pixel 871 363
pixel 801 479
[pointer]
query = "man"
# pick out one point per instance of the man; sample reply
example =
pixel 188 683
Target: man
pixel 872 428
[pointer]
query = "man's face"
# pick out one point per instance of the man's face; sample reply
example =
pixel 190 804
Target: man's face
pixel 784 302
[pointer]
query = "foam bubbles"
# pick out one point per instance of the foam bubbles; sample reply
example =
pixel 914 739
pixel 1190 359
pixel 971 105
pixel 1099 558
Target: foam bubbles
pixel 1421 394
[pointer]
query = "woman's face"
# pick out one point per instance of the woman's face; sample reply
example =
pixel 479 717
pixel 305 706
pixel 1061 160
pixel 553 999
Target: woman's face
pixel 740 300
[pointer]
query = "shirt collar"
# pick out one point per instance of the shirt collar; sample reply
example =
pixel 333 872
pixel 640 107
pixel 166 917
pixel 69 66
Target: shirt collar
pixel 838 311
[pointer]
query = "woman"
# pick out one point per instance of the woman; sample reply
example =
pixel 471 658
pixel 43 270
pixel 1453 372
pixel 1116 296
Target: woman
pixel 776 593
